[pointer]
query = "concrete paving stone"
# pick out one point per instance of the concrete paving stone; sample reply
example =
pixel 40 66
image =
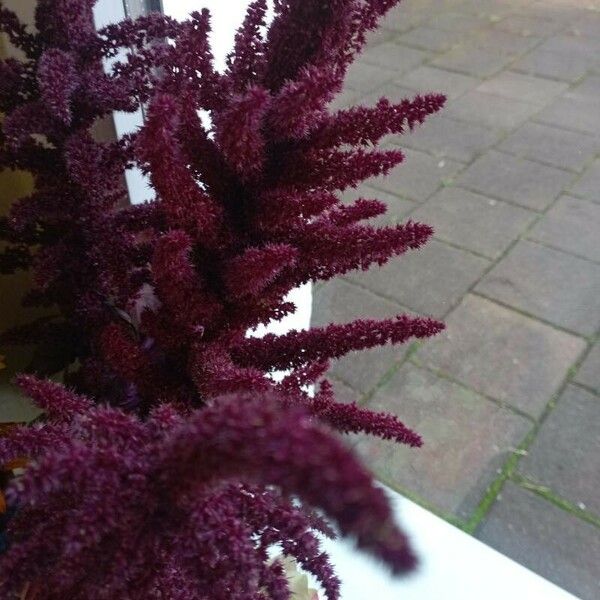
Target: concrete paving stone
pixel 502 354
pixel 341 302
pixel 525 88
pixel 430 79
pixel 572 225
pixel 589 372
pixel 399 19
pixel 488 10
pixel 495 112
pixel 466 439
pixel 570 11
pixel 433 40
pixel 549 284
pixel 529 26
pixel 557 147
pixel 364 77
pixel 588 26
pixel 456 21
pixel 578 115
pixel 587 90
pixel 378 36
pixel 429 281
pixel 554 65
pixel 343 392
pixel 544 538
pixel 472 221
pixel 397 208
pixel 564 454
pixel 443 137
pixel 418 177
pixel 572 45
pixel 503 42
pixel 588 185
pixel 516 180
pixel 395 57
pixel 473 60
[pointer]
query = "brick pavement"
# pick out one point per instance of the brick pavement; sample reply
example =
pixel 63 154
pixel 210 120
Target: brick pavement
pixel 509 175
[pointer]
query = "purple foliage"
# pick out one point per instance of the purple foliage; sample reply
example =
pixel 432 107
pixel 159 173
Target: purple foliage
pixel 129 506
pixel 184 434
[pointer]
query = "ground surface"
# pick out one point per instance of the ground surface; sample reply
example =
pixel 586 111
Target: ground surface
pixel 509 175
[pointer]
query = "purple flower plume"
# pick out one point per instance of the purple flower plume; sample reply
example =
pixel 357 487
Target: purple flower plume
pixel 143 481
pixel 208 494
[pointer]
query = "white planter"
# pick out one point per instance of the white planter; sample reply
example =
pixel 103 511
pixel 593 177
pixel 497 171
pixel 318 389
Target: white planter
pixel 453 566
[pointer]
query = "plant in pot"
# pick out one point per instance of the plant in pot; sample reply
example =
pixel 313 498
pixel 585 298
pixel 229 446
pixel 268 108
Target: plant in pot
pixel 167 463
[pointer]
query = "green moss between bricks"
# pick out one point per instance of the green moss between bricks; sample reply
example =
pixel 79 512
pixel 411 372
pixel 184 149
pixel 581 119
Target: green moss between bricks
pixel 550 496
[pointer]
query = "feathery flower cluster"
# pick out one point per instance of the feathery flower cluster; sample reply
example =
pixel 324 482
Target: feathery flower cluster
pixel 153 302
pixel 168 506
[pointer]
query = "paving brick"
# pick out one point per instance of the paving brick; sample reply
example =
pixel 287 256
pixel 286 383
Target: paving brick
pixel 529 26
pixel 344 393
pixel 564 454
pixel 397 208
pixel 588 185
pixel 395 57
pixel 571 45
pixel 340 302
pixel 557 147
pixel 399 19
pixel 554 65
pixel 429 281
pixel 489 11
pixel 571 113
pixel 549 284
pixel 517 180
pixel 473 60
pixel 525 88
pixel 428 79
pixel 570 11
pixel 588 26
pixel 378 36
pixel 418 177
pixel 572 225
pixel 467 438
pixel 586 90
pixel 505 355
pixel 450 138
pixel 364 77
pixel 589 372
pixel 546 539
pixel 456 21
pixel 496 112
pixel 434 40
pixel 503 42
pixel 472 221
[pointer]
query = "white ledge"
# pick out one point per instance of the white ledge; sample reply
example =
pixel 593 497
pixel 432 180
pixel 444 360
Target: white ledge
pixel 452 566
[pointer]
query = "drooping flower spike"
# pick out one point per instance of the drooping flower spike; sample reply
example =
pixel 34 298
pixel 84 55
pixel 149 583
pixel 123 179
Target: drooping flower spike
pixel 116 507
